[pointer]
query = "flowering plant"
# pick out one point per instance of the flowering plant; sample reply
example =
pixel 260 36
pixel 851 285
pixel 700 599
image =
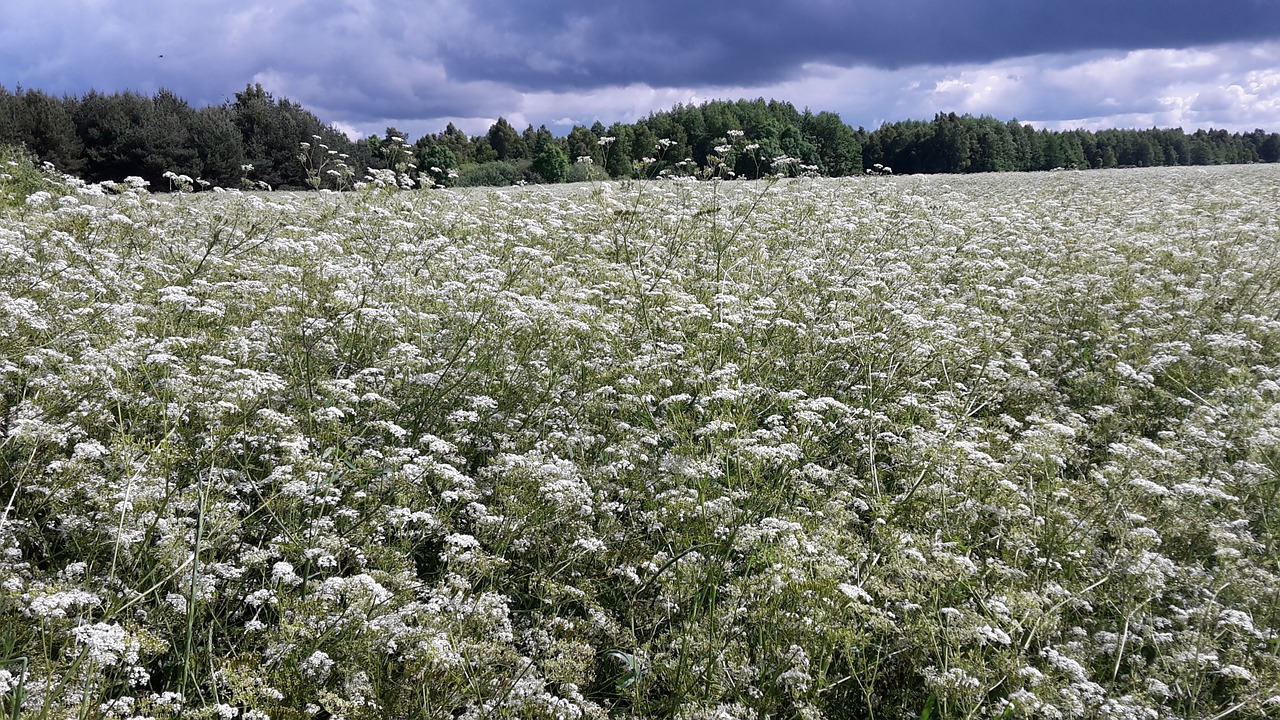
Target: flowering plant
pixel 986 446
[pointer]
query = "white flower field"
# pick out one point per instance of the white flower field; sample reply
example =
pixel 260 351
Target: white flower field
pixel 995 446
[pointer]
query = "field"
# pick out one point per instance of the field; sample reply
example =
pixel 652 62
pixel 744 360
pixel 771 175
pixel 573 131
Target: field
pixel 994 446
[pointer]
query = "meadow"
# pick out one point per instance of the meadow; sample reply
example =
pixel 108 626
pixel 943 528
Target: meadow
pixel 990 446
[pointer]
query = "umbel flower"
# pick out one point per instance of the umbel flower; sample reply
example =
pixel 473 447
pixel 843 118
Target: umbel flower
pixel 980 446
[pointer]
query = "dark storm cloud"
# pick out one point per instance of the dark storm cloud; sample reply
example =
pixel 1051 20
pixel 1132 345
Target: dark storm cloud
pixel 366 59
pixel 367 64
pixel 562 45
pixel 559 45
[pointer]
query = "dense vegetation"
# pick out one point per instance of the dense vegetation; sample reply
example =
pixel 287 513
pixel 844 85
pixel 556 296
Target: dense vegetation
pixel 989 446
pixel 255 139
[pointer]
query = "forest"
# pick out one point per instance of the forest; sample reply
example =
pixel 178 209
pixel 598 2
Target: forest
pixel 260 141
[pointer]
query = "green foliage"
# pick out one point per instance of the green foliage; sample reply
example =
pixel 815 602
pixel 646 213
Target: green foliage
pixel 218 146
pixel 109 137
pixel 551 164
pixel 272 130
pixel 437 164
pixel 535 140
pixel 952 143
pixel 1268 146
pixel 172 148
pixel 582 142
pixel 495 172
pixel 507 144
pixel 21 176
pixel 617 151
pixel 114 132
pixel 455 141
pixel 42 124
pixel 586 172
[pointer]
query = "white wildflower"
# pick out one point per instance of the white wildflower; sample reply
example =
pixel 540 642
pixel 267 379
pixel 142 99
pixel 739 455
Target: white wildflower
pixel 282 572
pixel 104 643
pixel 317 666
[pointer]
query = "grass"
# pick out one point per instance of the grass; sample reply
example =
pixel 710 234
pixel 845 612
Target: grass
pixel 963 447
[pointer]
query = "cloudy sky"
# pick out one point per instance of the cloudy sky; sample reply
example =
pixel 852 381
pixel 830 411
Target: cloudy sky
pixel 363 65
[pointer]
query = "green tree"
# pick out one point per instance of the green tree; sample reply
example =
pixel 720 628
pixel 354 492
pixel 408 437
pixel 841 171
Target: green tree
pixel 1072 151
pixel 217 144
pixel 663 127
pixel 1023 138
pixel 901 145
pixel 1201 153
pixel 581 142
pixel 437 164
pixel 493 173
pixel 397 153
pixel 1269 148
pixel 839 152
pixel 505 141
pixel 271 133
pixel 551 163
pixel 8 119
pixel 948 146
pixel 170 146
pixel 269 143
pixel 1047 151
pixel 457 142
pixel 617 153
pixel 643 142
pixel 535 140
pixel 43 124
pixel 482 151
pixel 993 149
pixel 794 144
pixel 755 159
pixel 112 130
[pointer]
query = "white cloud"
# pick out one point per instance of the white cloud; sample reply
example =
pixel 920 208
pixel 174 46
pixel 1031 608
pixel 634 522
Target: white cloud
pixel 349 130
pixel 1229 86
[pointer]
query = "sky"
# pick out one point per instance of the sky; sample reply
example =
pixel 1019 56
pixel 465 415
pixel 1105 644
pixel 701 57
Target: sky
pixel 416 65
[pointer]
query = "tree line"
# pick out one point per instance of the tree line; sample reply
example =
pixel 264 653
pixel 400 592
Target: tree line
pixel 252 140
pixel 960 144
pixel 257 140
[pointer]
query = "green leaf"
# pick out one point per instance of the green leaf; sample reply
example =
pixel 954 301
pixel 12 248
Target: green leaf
pixel 928 707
